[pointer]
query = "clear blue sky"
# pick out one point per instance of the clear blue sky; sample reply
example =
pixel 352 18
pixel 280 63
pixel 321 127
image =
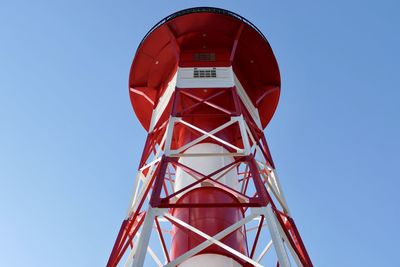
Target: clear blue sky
pixel 70 143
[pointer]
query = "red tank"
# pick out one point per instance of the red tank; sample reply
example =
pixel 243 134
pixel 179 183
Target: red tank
pixel 210 220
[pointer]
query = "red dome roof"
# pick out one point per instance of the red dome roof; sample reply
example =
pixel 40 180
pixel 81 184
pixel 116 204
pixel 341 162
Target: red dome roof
pixel 204 29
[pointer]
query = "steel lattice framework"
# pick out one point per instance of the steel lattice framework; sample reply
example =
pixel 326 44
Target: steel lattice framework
pixel 261 194
pixel 226 117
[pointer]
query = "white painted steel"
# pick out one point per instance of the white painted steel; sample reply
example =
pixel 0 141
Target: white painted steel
pixel 244 135
pixel 139 177
pixel 212 240
pixel 282 197
pixel 204 136
pixel 129 260
pixel 163 102
pixel 207 158
pixel 137 91
pixel 289 246
pixel 224 78
pixel 265 250
pixel 273 188
pixel 146 180
pixel 210 260
pixel 154 256
pixel 144 239
pixel 168 139
pixel 247 102
pixel 206 165
pixel 276 237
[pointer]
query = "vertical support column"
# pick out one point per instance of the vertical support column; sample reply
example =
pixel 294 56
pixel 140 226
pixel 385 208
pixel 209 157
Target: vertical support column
pixel 245 137
pixel 277 182
pixel 276 237
pixel 144 238
pixel 135 193
pixel 168 138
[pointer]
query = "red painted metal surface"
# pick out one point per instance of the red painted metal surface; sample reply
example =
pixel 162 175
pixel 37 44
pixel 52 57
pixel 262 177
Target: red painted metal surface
pixel 174 44
pixel 259 199
pixel 211 220
pixel 206 108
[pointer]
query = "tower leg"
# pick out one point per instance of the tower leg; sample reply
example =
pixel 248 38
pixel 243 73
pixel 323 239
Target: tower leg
pixel 276 237
pixel 144 238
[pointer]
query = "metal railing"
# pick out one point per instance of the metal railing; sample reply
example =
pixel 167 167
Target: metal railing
pixel 202 10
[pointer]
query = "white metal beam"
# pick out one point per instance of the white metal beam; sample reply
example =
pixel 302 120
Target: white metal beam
pixel 211 240
pixel 144 238
pixel 276 237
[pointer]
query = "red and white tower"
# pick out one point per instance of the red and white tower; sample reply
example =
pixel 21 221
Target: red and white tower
pixel 204 83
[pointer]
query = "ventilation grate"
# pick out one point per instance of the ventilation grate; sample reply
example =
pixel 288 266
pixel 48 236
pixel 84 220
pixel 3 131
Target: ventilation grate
pixel 205 73
pixel 204 57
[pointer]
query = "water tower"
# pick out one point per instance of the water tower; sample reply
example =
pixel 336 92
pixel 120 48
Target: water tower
pixel 204 84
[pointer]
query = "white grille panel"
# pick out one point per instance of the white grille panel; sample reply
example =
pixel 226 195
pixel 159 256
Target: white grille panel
pixel 219 77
